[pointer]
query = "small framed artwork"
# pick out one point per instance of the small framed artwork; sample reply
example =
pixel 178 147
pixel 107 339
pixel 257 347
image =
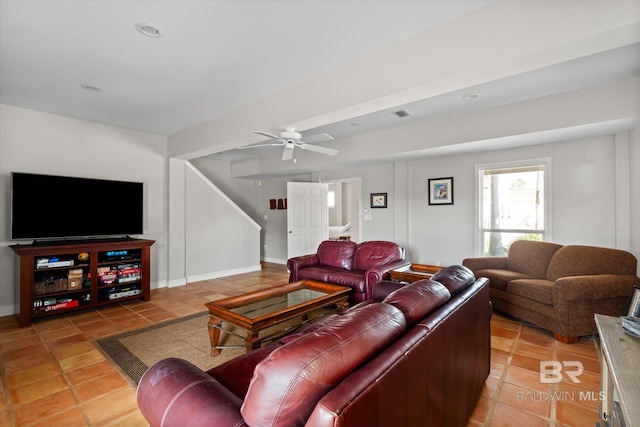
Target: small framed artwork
pixel 634 306
pixel 441 191
pixel 378 200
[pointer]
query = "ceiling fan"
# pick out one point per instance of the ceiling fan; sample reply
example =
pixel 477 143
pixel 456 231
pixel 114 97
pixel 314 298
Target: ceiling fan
pixel 290 139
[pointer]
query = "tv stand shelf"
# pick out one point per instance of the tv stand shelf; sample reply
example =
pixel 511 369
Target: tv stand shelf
pixel 62 277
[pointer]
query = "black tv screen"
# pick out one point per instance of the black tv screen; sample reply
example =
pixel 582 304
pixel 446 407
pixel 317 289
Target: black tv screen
pixel 51 206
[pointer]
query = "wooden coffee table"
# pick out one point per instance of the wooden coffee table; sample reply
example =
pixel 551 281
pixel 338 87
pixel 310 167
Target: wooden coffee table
pixel 414 272
pixel 256 311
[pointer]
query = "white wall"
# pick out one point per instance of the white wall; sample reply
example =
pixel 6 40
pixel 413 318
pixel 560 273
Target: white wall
pixel 31 141
pixel 220 238
pixel 583 198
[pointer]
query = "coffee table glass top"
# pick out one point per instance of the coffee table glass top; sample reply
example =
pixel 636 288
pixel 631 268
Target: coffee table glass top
pixel 277 303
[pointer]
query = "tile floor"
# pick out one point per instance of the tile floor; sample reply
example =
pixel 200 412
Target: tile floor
pixel 52 374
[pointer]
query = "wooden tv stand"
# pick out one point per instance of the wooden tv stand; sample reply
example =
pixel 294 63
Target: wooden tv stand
pixel 62 277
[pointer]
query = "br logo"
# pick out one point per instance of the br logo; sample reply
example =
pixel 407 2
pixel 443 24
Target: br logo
pixel 551 371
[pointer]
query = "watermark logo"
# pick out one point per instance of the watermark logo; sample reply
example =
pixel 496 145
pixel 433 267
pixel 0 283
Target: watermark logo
pixel 551 371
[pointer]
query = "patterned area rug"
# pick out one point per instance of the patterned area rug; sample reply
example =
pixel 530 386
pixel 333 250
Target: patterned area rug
pixel 133 352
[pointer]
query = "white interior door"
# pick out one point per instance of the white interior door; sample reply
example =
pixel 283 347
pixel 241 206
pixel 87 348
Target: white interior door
pixel 307 217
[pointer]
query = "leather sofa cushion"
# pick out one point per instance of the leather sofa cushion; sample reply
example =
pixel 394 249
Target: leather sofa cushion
pixel 354 279
pixel 287 385
pixel 336 253
pixel 498 279
pixel 531 257
pixel 575 260
pixel 375 253
pixel 418 299
pixel 319 273
pixel 455 278
pixel 535 289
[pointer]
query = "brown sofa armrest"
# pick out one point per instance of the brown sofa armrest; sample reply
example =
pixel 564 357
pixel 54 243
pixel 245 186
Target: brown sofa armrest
pixel 593 287
pixel 295 264
pixel 485 263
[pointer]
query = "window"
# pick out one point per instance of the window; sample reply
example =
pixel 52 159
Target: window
pixel 331 199
pixel 513 204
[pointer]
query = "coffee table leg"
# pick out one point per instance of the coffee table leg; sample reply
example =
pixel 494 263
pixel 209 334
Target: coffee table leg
pixel 252 341
pixel 214 334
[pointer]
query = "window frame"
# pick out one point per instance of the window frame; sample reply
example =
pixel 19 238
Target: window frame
pixel 545 162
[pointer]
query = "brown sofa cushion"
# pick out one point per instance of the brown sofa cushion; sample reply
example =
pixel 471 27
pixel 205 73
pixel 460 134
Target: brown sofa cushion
pixel 498 279
pixel 539 290
pixel 336 253
pixel 575 260
pixel 418 299
pixel 375 253
pixel 287 385
pixel 531 258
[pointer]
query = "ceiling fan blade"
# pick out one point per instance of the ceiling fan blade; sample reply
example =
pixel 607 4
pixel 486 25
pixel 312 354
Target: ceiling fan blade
pixel 287 154
pixel 318 149
pixel 268 135
pixel 320 137
pixel 262 145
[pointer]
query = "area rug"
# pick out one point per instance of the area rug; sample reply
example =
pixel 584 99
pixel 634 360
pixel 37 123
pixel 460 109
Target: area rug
pixel 133 352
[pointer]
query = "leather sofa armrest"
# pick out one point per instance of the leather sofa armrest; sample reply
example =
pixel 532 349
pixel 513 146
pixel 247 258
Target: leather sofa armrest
pixel 174 392
pixel 383 288
pixel 485 263
pixel 378 273
pixel 295 264
pixel 572 289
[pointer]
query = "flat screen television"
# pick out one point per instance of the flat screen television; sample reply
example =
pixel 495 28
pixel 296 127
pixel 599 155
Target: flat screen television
pixel 50 207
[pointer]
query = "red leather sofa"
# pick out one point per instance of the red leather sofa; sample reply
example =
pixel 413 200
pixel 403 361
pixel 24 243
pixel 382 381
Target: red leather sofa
pixel 346 263
pixel 419 357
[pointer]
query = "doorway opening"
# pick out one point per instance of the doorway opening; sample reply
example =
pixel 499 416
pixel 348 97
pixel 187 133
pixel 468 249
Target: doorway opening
pixel 344 209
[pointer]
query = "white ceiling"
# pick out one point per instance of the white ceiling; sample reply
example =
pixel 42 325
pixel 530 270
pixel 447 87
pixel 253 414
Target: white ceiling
pixel 216 57
pixel 212 57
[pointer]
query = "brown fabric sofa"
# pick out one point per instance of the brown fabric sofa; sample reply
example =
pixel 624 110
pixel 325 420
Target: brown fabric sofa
pixel 559 288
pixel 346 263
pixel 419 357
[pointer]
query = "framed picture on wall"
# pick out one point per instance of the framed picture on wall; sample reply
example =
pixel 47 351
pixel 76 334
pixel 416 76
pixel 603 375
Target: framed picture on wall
pixel 378 200
pixel 441 191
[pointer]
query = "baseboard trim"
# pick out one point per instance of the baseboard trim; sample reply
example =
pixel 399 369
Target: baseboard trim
pixel 224 273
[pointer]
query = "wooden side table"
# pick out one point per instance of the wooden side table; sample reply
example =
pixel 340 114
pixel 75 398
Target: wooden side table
pixel 414 272
pixel 620 372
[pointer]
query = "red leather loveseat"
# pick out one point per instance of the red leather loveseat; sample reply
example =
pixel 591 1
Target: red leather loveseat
pixel 419 357
pixel 346 263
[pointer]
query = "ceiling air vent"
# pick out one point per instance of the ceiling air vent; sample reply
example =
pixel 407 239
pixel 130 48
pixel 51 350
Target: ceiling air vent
pixel 401 113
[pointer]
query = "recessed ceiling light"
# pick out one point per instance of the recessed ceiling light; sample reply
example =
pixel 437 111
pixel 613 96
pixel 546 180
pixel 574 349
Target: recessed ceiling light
pixel 469 96
pixel 90 88
pixel 148 30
